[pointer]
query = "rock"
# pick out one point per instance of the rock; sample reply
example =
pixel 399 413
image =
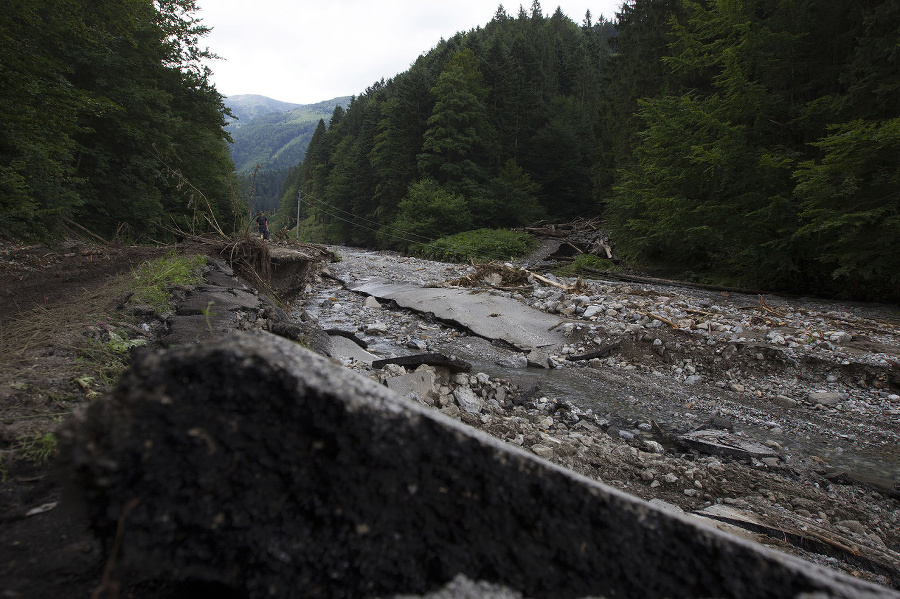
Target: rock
pixel 853 526
pixel 839 337
pixel 592 311
pixel 542 450
pixel 538 359
pixel 722 442
pixel 377 328
pixel 451 410
pixel 468 401
pixel 693 379
pixel 691 492
pixel 665 505
pixel 653 447
pixel 420 383
pixel 517 361
pixel 826 398
pixel 784 401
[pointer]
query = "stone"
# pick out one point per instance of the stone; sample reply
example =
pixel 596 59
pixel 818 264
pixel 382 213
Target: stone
pixel 592 311
pixel 694 379
pixel 538 359
pixel 517 361
pixel 467 400
pixel 653 447
pixel 453 363
pixel 723 442
pixel 826 398
pixel 784 401
pixel 421 383
pixel 377 328
pixel 542 450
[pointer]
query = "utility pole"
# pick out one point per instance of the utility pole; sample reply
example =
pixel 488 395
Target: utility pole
pixel 253 189
pixel 299 193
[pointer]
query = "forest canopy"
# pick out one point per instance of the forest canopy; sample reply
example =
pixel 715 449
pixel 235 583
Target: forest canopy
pixel 109 118
pixel 753 142
pixel 749 142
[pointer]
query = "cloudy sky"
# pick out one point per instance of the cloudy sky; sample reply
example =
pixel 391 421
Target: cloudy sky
pixel 307 51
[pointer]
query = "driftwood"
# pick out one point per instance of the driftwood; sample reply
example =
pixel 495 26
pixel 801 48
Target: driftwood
pixel 603 351
pixel 659 318
pixel 348 335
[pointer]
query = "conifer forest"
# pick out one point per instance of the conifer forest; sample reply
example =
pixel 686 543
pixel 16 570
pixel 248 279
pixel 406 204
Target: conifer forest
pixel 746 142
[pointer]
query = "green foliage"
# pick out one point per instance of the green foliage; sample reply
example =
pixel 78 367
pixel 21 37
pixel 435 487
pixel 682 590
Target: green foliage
pixel 428 212
pixel 121 344
pixel 851 205
pixel 498 121
pixel 107 111
pixel 744 164
pixel 480 245
pixel 154 280
pixel 37 449
pixel 585 264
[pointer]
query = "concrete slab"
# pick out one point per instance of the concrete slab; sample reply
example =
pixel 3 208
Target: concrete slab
pixel 722 442
pixel 484 314
pixel 341 347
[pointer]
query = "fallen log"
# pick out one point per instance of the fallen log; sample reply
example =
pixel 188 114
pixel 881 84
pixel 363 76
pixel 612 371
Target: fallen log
pixel 603 351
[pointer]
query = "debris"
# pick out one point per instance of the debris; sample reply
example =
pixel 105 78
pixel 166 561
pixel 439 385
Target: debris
pixel 432 359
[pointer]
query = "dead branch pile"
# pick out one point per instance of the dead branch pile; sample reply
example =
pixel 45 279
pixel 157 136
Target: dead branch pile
pixel 496 275
pixel 585 236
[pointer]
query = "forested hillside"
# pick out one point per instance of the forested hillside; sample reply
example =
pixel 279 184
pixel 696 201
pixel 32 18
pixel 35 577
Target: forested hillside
pixel 277 139
pixel 752 142
pixel 273 136
pixel 109 121
pixel 246 107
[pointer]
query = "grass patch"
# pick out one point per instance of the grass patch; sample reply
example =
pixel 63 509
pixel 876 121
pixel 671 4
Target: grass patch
pixel 478 245
pixel 585 264
pixel 37 449
pixel 155 279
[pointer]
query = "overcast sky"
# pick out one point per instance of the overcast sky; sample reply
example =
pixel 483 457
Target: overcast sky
pixel 307 51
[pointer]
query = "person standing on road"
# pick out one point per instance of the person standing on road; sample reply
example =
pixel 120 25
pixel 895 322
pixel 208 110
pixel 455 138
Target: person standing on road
pixel 263 225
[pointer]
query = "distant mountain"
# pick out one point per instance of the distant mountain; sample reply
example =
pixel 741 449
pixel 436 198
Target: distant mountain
pixel 247 107
pixel 277 133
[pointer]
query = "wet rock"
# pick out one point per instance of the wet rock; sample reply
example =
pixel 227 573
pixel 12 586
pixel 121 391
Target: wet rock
pixel 722 442
pixel 538 359
pixel 517 361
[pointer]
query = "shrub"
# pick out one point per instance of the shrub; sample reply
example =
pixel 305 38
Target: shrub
pixel 480 245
